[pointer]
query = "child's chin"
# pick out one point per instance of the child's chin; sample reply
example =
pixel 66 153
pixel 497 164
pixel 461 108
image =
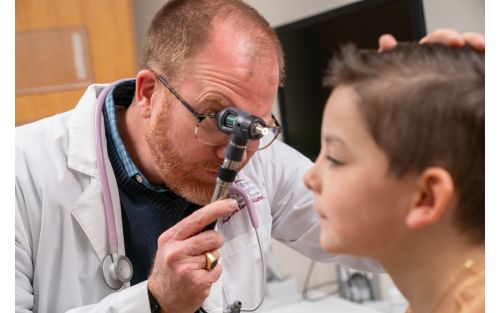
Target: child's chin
pixel 328 244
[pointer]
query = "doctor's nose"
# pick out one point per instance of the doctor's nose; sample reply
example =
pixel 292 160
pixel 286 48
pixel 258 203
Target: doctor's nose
pixel 219 151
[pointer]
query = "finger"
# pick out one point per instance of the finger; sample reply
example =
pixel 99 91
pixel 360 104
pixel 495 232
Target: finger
pixel 214 275
pixel 200 260
pixel 209 278
pixel 476 40
pixel 386 42
pixel 205 241
pixel 200 218
pixel 446 36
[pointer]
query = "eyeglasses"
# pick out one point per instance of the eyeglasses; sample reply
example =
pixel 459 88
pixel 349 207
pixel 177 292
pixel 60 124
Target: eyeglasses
pixel 207 131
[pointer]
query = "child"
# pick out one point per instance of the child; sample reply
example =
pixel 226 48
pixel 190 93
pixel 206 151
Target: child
pixel 400 175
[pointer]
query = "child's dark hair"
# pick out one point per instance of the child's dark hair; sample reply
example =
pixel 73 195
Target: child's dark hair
pixel 424 106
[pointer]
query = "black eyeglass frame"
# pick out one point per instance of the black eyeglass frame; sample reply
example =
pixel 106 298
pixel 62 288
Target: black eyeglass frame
pixel 200 116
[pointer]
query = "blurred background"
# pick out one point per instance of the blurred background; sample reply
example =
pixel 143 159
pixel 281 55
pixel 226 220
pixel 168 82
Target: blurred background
pixel 62 46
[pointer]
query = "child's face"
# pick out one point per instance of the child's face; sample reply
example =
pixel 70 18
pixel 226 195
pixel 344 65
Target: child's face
pixel 360 205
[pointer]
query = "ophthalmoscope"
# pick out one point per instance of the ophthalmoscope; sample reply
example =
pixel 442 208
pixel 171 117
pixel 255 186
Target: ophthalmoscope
pixel 242 127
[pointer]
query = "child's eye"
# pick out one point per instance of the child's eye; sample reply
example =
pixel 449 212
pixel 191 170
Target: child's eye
pixel 333 161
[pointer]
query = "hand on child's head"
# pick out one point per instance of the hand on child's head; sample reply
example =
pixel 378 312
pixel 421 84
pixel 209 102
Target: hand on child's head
pixel 444 36
pixel 386 42
pixel 453 38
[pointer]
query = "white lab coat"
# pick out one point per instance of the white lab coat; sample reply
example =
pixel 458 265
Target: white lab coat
pixel 61 235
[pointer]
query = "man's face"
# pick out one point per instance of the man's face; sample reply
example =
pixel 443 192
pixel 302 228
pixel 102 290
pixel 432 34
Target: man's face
pixel 361 207
pixel 227 72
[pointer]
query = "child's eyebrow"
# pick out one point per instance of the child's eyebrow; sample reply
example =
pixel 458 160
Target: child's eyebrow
pixel 334 140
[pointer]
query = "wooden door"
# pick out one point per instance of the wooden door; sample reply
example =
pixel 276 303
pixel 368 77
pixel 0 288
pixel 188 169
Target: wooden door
pixel 62 46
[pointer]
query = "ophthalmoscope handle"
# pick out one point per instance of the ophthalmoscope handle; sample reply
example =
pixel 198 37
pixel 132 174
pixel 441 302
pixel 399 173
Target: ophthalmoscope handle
pixel 233 155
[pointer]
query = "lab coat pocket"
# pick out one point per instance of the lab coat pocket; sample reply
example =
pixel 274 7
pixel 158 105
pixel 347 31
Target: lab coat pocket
pixel 244 264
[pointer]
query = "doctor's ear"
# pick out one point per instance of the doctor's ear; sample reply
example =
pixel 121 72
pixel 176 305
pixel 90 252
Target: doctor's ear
pixel 144 90
pixel 433 197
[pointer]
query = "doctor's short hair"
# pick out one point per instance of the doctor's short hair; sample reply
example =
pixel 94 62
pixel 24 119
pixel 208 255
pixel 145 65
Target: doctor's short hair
pixel 182 27
pixel 424 106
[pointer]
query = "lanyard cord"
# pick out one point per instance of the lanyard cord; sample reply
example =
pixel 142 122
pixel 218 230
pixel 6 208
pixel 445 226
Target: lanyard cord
pixel 236 307
pixel 263 276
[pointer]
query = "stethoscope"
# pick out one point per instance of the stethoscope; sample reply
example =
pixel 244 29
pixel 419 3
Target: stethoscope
pixel 117 268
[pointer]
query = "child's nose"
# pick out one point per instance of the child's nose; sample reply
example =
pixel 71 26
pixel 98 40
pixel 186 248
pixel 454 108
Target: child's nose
pixel 311 180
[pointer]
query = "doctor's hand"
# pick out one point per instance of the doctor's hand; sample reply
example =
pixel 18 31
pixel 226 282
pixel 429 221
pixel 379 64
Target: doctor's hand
pixel 179 280
pixel 449 37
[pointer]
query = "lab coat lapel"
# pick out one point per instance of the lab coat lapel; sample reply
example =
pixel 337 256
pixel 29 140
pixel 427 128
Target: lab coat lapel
pixel 81 133
pixel 89 209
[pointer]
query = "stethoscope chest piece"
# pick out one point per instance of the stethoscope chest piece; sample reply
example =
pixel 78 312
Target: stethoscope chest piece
pixel 117 270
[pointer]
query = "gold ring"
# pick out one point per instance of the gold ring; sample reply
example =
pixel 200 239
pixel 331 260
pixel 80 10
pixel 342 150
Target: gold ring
pixel 211 261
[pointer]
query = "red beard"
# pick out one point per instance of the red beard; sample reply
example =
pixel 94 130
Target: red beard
pixel 187 179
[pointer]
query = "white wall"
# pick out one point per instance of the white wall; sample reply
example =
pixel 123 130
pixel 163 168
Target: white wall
pixel 463 15
pixel 295 9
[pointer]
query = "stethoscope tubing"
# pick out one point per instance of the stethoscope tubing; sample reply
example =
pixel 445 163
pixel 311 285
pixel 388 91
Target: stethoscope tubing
pixel 101 167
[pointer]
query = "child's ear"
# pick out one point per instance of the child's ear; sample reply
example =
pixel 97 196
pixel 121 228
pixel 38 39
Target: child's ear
pixel 433 197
